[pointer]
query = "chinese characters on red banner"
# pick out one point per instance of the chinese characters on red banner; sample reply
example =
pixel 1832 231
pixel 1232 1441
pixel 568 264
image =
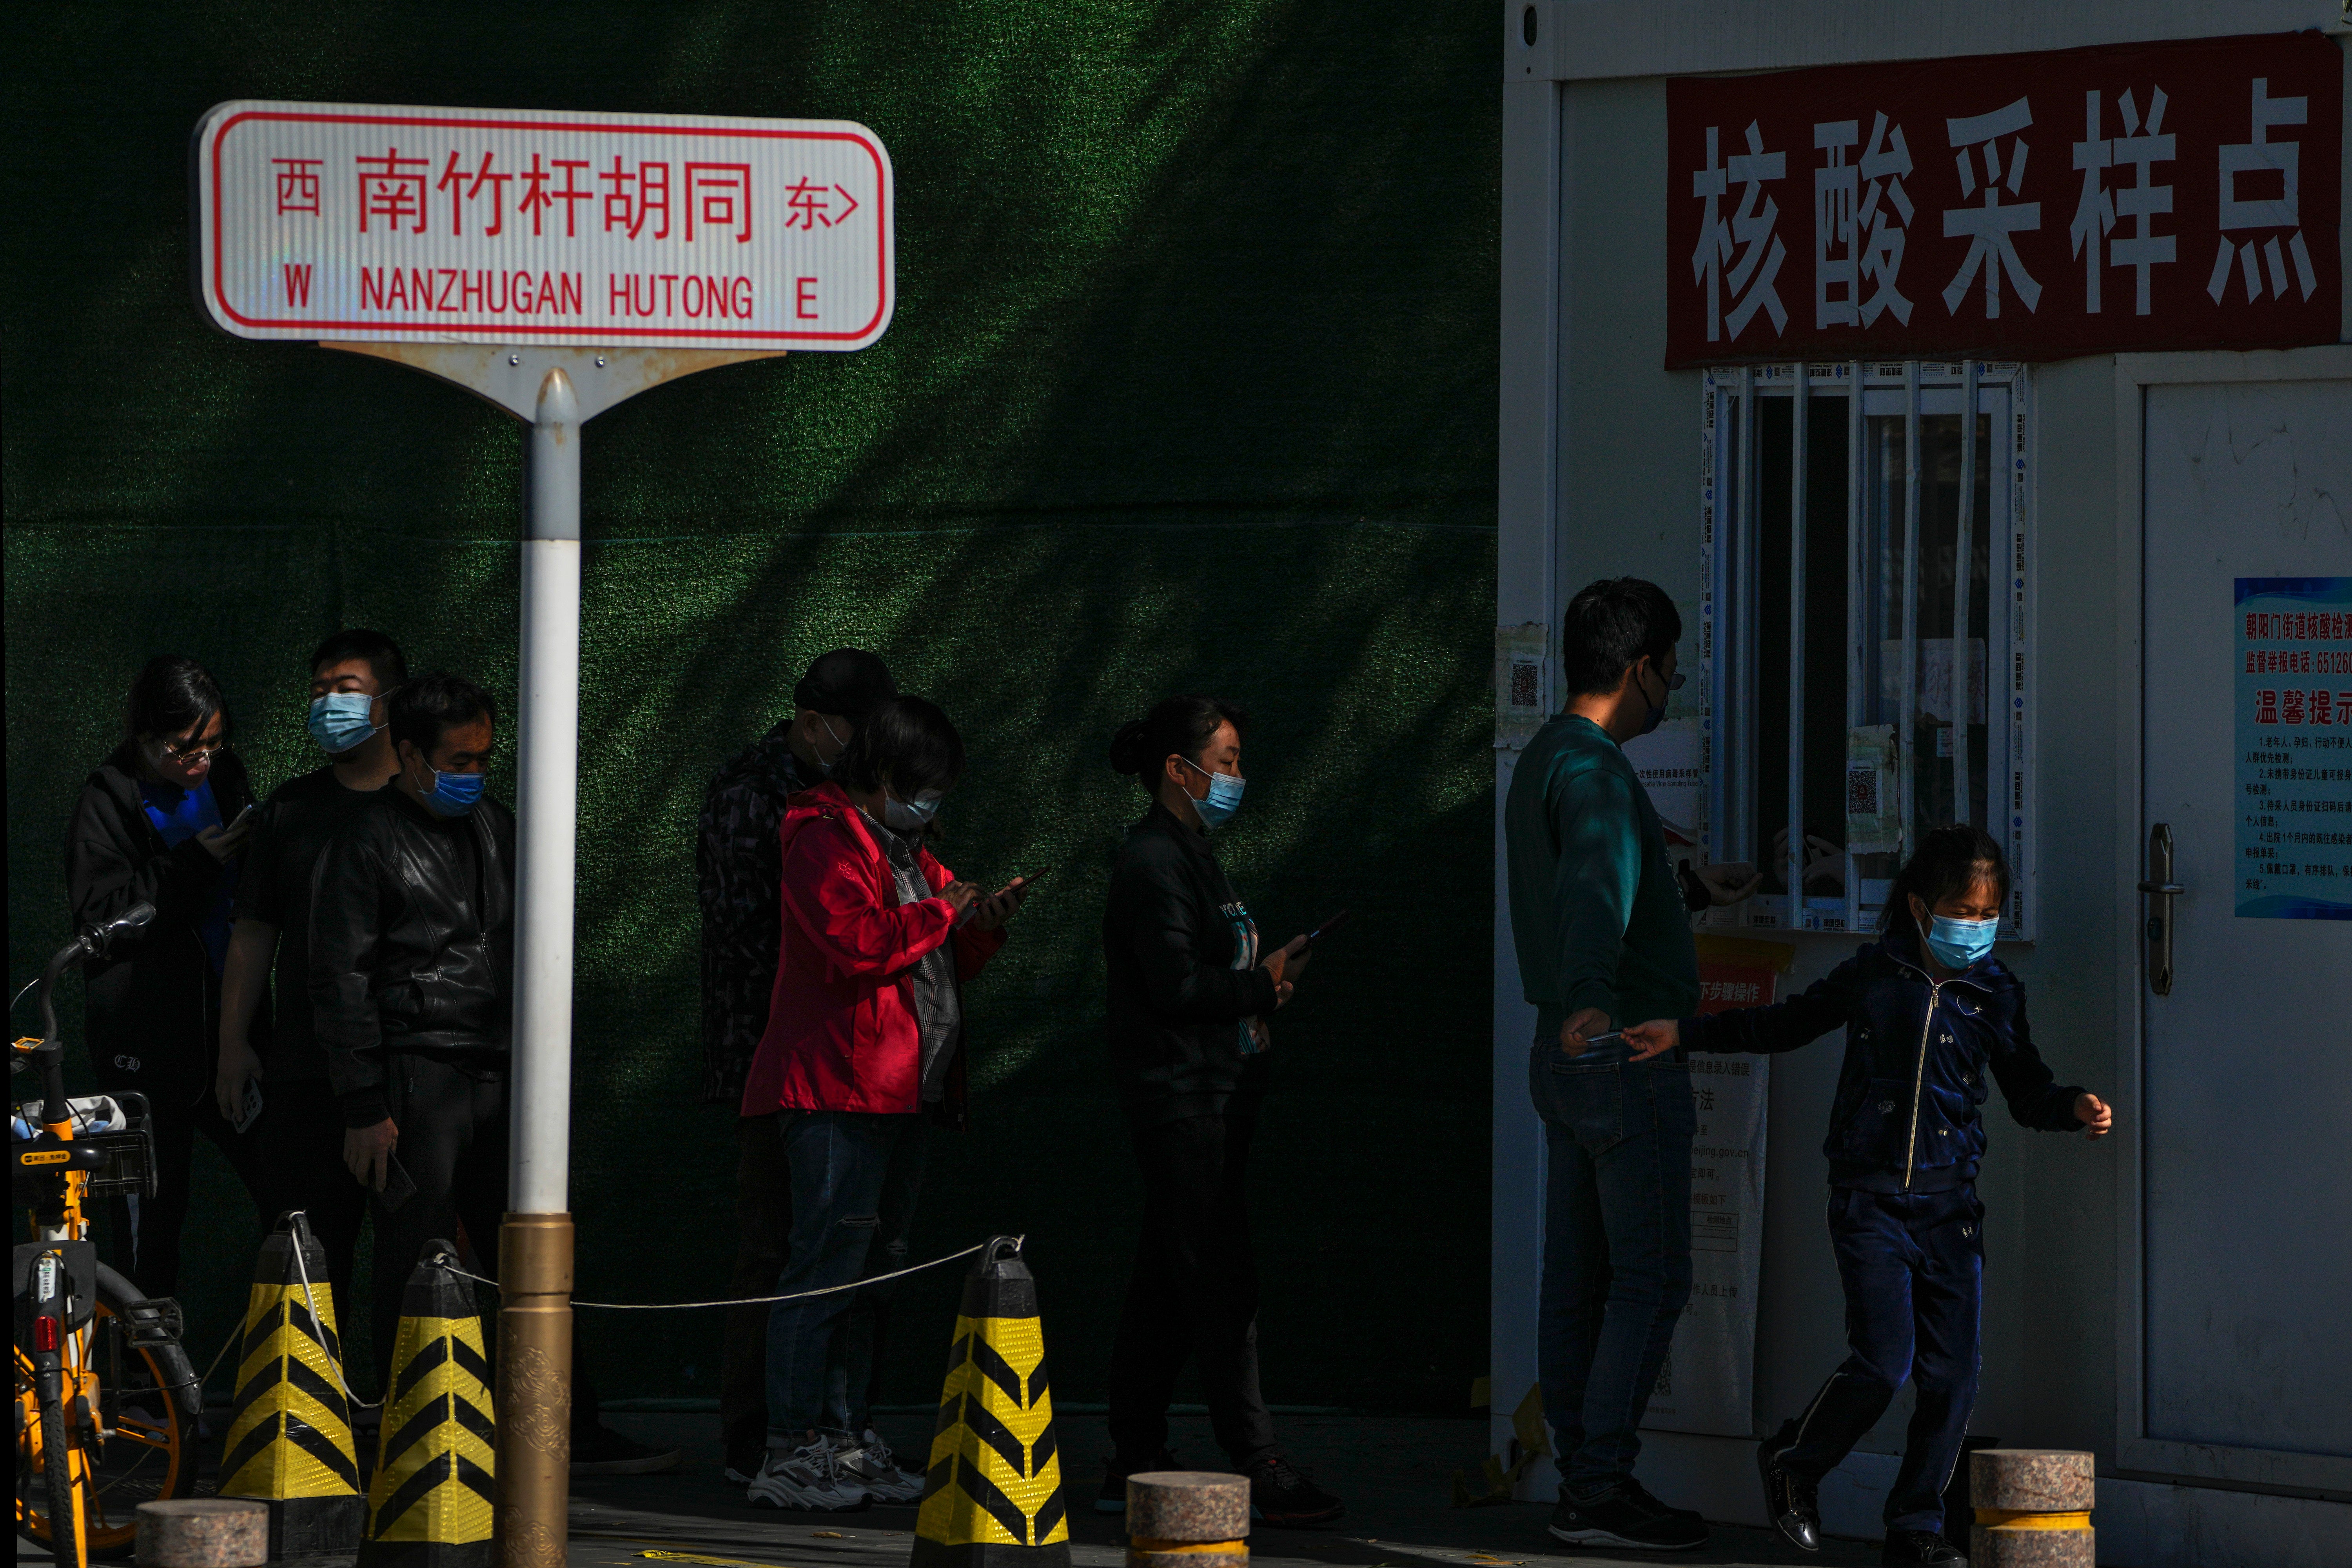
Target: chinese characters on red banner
pixel 2018 207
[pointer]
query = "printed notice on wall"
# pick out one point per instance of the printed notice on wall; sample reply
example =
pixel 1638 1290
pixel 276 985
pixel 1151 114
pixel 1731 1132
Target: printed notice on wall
pixel 1707 1383
pixel 2295 748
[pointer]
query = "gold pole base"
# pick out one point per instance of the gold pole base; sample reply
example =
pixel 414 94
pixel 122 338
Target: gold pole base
pixel 534 1396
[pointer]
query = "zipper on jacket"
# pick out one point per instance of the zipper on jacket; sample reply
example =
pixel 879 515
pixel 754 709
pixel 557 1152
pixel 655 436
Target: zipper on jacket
pixel 1920 1082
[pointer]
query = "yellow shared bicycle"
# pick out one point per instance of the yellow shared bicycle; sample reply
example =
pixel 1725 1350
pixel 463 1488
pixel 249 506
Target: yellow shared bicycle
pixel 106 1401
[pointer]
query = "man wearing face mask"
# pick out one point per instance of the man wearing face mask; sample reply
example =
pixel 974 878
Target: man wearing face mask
pixel 738 858
pixel 1604 940
pixel 301 1126
pixel 412 983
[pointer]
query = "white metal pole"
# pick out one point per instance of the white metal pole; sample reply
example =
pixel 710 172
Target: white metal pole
pixel 540 1153
pixel 534 1396
pixel 1963 573
pixel 1907 700
pixel 1800 442
pixel 1858 662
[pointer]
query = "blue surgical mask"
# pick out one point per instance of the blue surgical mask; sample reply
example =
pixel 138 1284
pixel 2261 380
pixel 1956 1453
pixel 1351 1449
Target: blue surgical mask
pixel 453 795
pixel 1957 944
pixel 341 722
pixel 903 817
pixel 1224 796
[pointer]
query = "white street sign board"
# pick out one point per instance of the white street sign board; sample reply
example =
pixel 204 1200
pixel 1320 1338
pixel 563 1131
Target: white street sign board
pixel 374 223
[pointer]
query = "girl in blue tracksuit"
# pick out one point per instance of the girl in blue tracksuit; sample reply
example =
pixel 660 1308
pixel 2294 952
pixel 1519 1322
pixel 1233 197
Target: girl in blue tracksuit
pixel 1928 1012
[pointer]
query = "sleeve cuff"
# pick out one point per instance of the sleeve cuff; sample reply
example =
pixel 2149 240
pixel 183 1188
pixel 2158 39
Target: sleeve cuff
pixel 1262 991
pixel 365 1108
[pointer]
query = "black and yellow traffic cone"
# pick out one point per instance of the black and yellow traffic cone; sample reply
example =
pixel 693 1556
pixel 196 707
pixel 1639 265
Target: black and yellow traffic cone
pixel 289 1432
pixel 994 1494
pixel 429 1505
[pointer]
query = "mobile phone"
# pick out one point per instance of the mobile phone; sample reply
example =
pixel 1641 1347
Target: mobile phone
pixel 1592 1040
pixel 397 1187
pixel 1326 928
pixel 1027 880
pixel 249 1111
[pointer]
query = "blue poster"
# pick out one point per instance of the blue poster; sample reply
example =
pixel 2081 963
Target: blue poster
pixel 2295 748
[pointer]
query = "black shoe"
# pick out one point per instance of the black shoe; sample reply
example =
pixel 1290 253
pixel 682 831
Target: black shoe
pixel 743 1460
pixel 1641 1494
pixel 1919 1549
pixel 1112 1499
pixel 601 1451
pixel 1792 1502
pixel 1625 1516
pixel 1280 1495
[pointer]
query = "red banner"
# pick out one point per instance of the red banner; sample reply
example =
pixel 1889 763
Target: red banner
pixel 2170 196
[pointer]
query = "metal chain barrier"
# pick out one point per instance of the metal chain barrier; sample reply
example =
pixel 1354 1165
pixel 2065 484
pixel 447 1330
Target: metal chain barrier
pixel 444 1260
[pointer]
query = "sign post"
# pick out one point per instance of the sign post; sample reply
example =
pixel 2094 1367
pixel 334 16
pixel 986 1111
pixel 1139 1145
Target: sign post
pixel 553 263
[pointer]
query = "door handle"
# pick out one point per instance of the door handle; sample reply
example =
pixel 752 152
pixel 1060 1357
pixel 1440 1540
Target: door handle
pixel 2160 889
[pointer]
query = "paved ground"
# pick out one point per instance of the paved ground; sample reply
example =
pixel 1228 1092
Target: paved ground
pixel 1396 1476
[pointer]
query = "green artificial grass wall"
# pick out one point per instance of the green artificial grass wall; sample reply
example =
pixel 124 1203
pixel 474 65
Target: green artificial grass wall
pixel 1190 386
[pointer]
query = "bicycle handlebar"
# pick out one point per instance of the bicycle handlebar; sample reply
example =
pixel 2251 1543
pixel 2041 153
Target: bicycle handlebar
pixel 91 942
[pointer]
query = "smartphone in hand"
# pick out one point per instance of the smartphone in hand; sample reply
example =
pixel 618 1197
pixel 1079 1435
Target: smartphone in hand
pixel 398 1188
pixel 1326 928
pixel 249 1111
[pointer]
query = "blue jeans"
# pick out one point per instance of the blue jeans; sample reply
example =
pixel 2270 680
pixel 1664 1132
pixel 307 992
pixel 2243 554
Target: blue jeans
pixel 1913 1266
pixel 855 1179
pixel 1617 1267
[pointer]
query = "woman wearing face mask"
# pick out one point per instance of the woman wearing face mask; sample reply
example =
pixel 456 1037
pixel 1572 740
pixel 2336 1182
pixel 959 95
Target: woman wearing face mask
pixel 163 821
pixel 1190 995
pixel 862 1054
pixel 1928 1012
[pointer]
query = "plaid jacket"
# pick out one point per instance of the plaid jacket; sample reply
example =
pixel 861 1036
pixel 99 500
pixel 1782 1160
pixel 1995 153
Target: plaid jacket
pixel 738 861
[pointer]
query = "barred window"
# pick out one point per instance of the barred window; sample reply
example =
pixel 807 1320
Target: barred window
pixel 1859 683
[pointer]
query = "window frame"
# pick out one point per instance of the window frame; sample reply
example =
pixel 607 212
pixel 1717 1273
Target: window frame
pixel 1729 611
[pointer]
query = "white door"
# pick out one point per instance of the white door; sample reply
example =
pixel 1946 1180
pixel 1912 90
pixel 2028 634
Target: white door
pixel 2246 1122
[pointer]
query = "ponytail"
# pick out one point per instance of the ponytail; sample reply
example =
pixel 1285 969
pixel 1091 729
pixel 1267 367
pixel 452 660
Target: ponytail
pixel 1180 727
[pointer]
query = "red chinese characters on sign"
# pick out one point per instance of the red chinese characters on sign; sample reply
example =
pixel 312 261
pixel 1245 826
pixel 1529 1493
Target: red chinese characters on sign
pixel 1725 984
pixel 2034 206
pixel 718 197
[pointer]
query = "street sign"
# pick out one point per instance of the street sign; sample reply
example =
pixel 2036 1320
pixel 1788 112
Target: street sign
pixel 361 223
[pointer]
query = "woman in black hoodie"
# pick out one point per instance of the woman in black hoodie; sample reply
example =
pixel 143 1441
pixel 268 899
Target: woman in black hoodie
pixel 1190 997
pixel 161 821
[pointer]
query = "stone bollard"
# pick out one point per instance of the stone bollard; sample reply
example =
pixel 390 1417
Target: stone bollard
pixel 203 1532
pixel 1187 1519
pixel 2033 1509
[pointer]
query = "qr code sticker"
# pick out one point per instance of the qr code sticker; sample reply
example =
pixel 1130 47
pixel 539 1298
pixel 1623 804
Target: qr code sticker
pixel 1861 790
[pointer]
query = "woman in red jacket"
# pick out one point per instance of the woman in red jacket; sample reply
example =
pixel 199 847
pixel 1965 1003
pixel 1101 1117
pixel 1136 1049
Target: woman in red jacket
pixel 864 1049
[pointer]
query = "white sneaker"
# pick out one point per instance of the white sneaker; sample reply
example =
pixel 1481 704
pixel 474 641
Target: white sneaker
pixel 867 1461
pixel 806 1476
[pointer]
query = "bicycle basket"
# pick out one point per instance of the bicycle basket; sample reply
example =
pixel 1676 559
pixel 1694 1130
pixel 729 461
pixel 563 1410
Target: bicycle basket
pixel 130 1168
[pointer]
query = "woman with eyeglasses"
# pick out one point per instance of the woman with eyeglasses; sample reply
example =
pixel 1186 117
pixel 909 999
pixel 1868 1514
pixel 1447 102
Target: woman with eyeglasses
pixel 164 821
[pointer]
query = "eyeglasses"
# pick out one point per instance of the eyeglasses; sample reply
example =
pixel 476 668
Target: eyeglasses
pixel 198 752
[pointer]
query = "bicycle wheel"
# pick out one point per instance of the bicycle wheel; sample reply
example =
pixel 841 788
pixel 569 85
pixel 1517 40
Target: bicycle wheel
pixel 146 1396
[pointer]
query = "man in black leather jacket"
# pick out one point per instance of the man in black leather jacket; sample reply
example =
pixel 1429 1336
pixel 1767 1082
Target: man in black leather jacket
pixel 411 990
pixel 411 960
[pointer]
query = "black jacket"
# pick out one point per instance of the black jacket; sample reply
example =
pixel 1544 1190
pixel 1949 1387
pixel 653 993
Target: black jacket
pixel 153 1015
pixel 407 952
pixel 1916 1055
pixel 1182 957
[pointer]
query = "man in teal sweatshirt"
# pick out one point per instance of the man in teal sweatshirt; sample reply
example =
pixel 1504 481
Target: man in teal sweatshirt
pixel 1603 939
